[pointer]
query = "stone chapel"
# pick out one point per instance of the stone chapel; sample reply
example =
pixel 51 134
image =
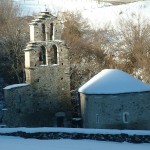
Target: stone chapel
pixel 44 100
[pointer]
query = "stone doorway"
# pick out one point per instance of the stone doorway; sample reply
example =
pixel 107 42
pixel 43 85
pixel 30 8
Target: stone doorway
pixel 60 121
pixel 60 116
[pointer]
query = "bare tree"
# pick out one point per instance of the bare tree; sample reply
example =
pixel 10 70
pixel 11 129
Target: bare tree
pixel 86 51
pixel 86 48
pixel 14 35
pixel 133 45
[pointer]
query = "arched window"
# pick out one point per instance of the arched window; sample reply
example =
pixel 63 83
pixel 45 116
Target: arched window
pixel 42 55
pixel 43 32
pixel 51 31
pixel 53 55
pixel 125 117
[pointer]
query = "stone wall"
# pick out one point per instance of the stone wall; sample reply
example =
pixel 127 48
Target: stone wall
pixel 18 103
pixel 50 82
pixel 26 107
pixel 118 111
pixel 78 136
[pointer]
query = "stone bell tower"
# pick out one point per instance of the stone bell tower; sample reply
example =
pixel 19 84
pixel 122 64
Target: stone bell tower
pixel 47 70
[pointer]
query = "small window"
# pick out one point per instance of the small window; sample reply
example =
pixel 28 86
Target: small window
pixel 97 118
pixel 125 117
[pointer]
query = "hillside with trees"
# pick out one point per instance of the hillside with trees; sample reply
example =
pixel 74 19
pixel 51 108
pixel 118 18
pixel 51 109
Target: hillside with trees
pixel 126 48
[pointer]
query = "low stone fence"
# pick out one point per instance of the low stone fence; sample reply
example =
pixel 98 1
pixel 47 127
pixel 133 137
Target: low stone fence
pixel 78 136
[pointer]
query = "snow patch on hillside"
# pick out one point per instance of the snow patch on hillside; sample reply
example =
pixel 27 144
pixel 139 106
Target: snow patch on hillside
pixel 97 14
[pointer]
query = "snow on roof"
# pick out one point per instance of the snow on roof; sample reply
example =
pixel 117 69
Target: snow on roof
pixel 15 86
pixel 113 81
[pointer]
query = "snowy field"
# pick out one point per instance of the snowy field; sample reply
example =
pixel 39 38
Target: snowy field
pixel 16 143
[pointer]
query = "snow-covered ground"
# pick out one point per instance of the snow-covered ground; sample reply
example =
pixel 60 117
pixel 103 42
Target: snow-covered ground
pixel 16 143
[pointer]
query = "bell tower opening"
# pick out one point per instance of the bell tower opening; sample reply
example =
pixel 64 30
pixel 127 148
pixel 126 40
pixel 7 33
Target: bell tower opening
pixel 53 55
pixel 43 51
pixel 42 55
pixel 43 32
pixel 51 31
